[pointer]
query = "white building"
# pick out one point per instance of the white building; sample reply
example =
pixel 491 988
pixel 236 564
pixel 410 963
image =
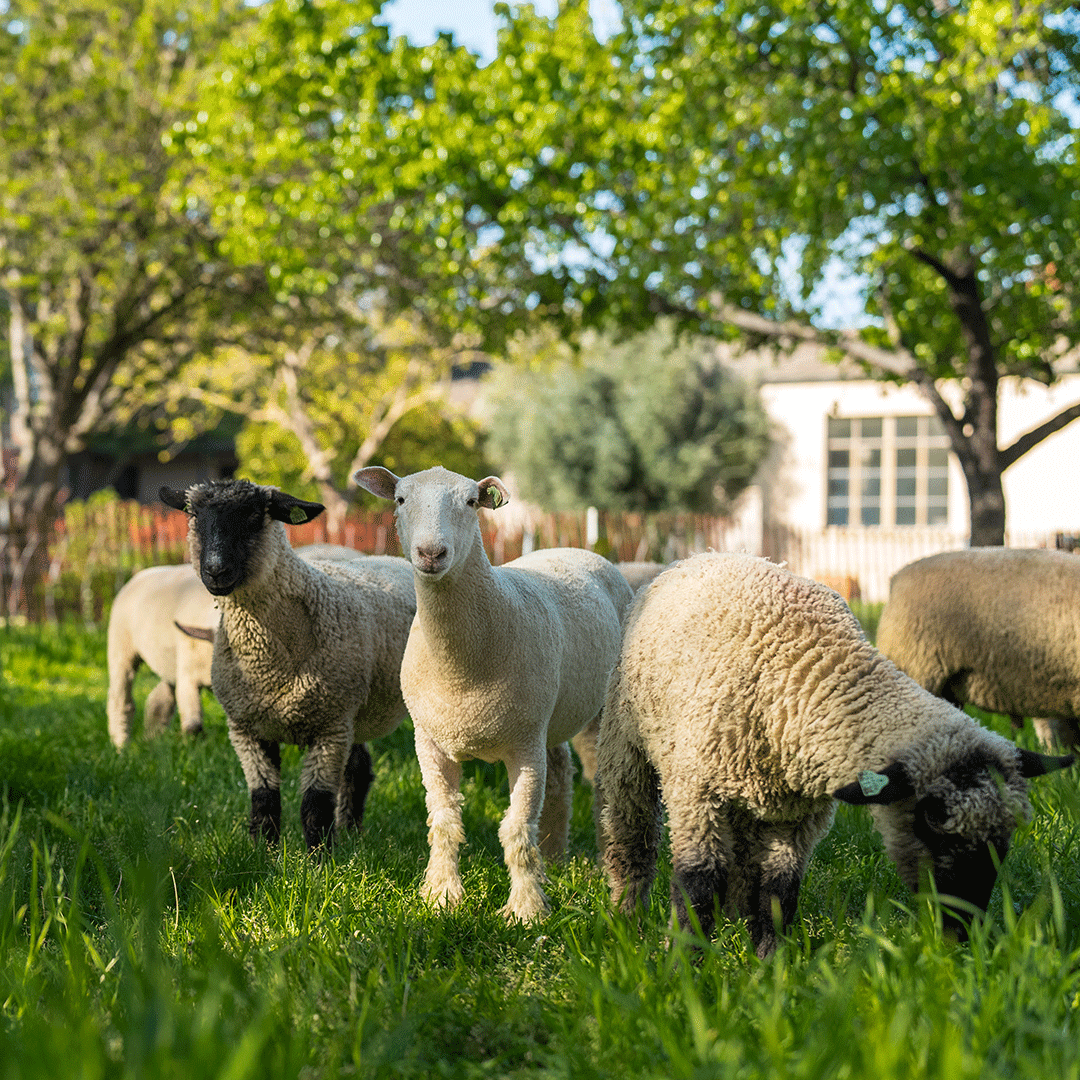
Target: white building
pixel 861 479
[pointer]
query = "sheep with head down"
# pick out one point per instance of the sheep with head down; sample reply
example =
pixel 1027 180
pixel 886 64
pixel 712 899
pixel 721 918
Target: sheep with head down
pixel 747 700
pixel 305 652
pixel 503 663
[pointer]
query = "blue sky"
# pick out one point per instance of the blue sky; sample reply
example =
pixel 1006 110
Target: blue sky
pixel 472 21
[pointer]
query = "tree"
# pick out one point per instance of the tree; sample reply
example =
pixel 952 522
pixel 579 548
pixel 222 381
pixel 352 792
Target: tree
pixel 112 279
pixel 650 425
pixel 686 166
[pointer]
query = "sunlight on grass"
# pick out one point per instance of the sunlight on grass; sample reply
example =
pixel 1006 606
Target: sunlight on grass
pixel 143 934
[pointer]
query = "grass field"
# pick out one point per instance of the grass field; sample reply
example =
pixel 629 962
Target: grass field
pixel 142 934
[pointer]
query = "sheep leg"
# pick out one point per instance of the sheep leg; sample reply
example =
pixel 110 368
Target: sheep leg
pixel 321 778
pixel 558 803
pixel 1057 731
pixel 261 761
pixel 354 791
pixel 518 835
pixel 783 850
pixel 188 692
pixel 442 786
pixel 120 709
pixel 160 706
pixel 630 791
pixel 584 742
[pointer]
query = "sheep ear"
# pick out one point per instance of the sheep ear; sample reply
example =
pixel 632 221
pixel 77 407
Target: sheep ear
pixel 171 497
pixel 377 480
pixel 1032 764
pixel 880 788
pixel 294 511
pixel 493 493
pixel 201 633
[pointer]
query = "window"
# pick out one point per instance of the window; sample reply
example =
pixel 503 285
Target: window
pixel 891 470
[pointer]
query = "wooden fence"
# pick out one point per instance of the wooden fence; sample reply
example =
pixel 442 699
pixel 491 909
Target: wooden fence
pixel 96 549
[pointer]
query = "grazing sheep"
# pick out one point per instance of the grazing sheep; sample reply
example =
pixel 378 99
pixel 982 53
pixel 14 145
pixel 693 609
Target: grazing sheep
pixel 306 653
pixel 748 700
pixel 639 574
pixel 142 629
pixel 992 627
pixel 503 664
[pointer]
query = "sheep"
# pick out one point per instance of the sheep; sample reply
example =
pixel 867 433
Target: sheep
pixel 164 617
pixel 748 699
pixel 306 653
pixel 639 574
pixel 503 664
pixel 992 627
pixel 142 629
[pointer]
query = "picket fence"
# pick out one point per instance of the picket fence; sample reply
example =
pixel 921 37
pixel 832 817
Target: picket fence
pixel 96 549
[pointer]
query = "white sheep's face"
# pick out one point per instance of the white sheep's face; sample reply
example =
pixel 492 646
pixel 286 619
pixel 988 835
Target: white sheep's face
pixel 435 512
pixel 436 519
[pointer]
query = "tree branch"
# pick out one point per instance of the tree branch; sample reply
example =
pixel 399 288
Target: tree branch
pixel 1036 435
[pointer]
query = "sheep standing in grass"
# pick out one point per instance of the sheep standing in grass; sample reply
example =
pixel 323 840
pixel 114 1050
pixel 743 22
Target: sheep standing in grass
pixel 503 664
pixel 992 627
pixel 748 700
pixel 142 629
pixel 305 653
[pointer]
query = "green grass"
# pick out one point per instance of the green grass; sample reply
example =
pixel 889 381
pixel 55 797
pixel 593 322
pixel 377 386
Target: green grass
pixel 142 934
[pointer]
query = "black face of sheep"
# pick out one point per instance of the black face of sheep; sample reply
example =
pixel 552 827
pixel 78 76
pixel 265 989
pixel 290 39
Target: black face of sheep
pixel 961 826
pixel 227 518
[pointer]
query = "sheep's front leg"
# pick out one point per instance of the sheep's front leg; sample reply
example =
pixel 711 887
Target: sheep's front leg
pixel 188 694
pixel 442 786
pixel 261 761
pixel 358 776
pixel 518 835
pixel 701 854
pixel 321 779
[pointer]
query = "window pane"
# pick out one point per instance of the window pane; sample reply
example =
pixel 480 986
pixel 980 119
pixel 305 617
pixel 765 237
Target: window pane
pixel 938 486
pixel 870 459
pixel 871 427
pixel 839 429
pixel 905 515
pixel 937 515
pixel 871 488
pixel 838 485
pixel 905 488
pixel 838 459
pixel 934 426
pixel 906 427
pixel 937 459
pixel 871 515
pixel 837 515
pixel 906 459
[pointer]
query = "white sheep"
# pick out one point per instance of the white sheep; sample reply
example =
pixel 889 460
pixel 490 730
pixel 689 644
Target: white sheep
pixel 305 653
pixel 748 700
pixel 142 629
pixel 992 627
pixel 503 664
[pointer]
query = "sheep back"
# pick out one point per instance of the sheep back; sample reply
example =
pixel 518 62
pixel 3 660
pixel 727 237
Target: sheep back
pixel 996 627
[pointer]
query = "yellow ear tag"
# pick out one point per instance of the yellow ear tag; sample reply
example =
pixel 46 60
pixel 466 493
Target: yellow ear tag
pixel 297 516
pixel 872 783
pixel 496 498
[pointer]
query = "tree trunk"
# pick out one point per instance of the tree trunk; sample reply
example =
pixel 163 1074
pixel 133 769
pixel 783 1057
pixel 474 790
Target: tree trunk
pixel 34 507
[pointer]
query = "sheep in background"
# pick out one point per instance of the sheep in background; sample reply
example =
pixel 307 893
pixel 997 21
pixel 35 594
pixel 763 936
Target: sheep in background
pixel 306 653
pixel 992 627
pixel 748 700
pixel 639 574
pixel 142 629
pixel 503 664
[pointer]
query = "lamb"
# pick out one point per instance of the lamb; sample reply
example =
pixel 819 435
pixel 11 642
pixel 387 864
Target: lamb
pixel 306 653
pixel 503 664
pixel 748 700
pixel 142 629
pixel 993 627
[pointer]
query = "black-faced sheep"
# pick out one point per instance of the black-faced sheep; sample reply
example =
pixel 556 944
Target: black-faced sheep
pixel 503 664
pixel 992 627
pixel 748 700
pixel 305 653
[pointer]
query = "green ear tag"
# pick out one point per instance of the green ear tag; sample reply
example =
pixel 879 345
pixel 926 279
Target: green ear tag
pixel 496 498
pixel 297 516
pixel 872 783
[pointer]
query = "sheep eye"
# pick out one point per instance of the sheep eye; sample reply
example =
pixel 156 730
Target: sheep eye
pixel 472 502
pixel 400 500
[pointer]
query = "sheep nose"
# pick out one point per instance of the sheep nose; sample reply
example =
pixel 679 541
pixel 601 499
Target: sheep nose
pixel 430 557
